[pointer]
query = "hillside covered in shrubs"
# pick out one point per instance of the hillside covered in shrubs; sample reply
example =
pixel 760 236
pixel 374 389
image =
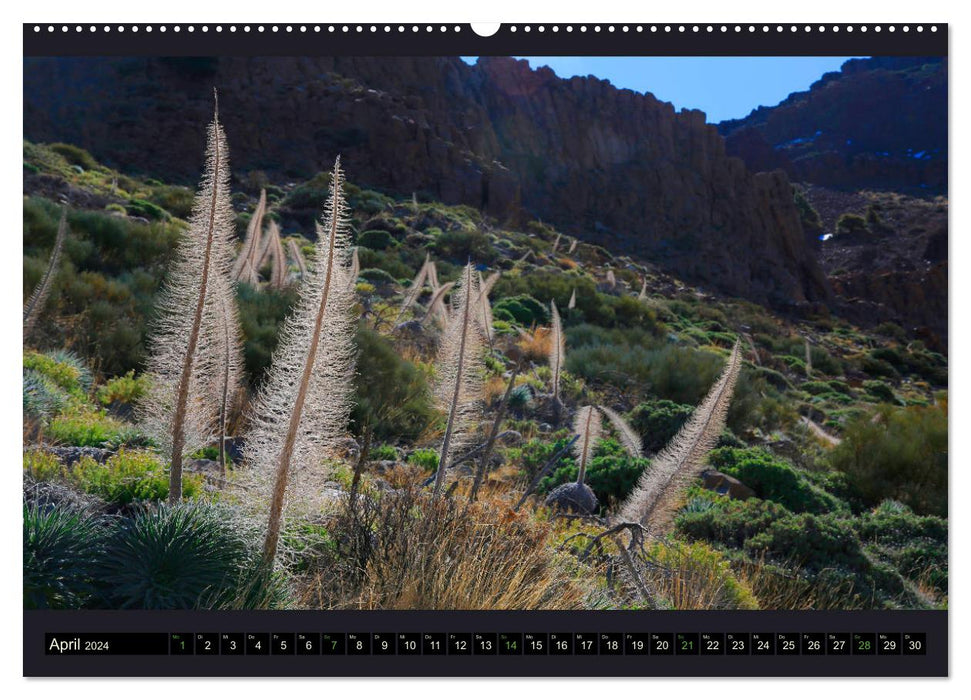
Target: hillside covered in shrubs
pixel 827 487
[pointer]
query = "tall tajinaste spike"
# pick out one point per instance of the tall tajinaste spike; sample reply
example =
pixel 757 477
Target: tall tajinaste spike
pixel 588 425
pixel 181 409
pixel 643 295
pixel 458 387
pixel 355 267
pixel 611 279
pixel 485 308
pixel 432 273
pixel 302 410
pixel 490 282
pixel 229 344
pixel 414 291
pixel 254 232
pixel 297 256
pixel 557 351
pixel 629 438
pixel 436 305
pixel 673 468
pixel 572 304
pixel 278 273
pixel 556 243
pixel 573 245
pixel 36 302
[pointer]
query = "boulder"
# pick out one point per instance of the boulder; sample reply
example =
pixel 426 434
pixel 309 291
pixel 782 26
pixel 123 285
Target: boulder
pixel 573 498
pixel 726 485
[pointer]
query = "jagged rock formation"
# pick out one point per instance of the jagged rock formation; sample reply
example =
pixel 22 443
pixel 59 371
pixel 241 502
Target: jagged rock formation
pixel 609 166
pixel 878 123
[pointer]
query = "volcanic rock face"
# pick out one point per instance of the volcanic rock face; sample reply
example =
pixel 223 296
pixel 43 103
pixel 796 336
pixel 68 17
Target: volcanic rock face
pixel 879 123
pixel 610 166
pixel 892 266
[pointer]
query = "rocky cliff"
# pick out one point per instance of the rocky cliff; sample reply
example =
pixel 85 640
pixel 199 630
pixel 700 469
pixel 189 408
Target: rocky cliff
pixel 610 166
pixel 878 123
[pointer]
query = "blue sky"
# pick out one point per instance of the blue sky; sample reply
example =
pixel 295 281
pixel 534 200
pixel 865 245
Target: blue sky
pixel 724 87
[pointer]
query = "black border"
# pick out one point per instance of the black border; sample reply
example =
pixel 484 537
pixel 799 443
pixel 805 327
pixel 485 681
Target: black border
pixel 371 39
pixel 934 623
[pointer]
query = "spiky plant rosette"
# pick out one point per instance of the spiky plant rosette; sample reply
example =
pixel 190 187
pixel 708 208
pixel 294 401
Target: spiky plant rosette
pixel 62 545
pixel 187 556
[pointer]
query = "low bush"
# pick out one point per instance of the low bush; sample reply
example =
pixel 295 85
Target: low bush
pixel 693 576
pixel 897 453
pixel 612 473
pixel 126 389
pixel 915 545
pixel 424 457
pixel 390 393
pixel 458 246
pixel 657 421
pixel 879 390
pixel 775 480
pixel 63 369
pixel 523 309
pixel 125 478
pixel 376 239
pixel 382 453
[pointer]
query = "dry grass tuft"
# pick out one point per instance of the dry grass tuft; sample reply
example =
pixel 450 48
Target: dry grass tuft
pixel 405 549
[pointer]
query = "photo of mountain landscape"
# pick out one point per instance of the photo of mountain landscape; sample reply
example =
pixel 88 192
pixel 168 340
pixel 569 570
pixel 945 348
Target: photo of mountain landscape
pixel 434 333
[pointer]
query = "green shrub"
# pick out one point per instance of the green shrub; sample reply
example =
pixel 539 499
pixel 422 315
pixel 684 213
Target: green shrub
pixel 126 389
pixel 65 370
pixel 657 421
pixel 898 453
pixel 775 480
pixel 850 224
pixel 261 314
pixel 376 276
pixel 383 453
pixel 876 367
pixel 915 545
pixel 125 478
pixel 523 309
pixel 130 476
pixel 520 397
pixel 375 239
pixel 61 548
pixel 879 390
pixel 612 473
pixel 816 388
pixel 152 212
pixel 401 263
pixel 458 246
pixel 87 428
pixel 176 200
pixel 182 557
pixel 730 523
pixel 424 457
pixel 390 393
pixel 703 571
pixel 74 155
pixel 810 542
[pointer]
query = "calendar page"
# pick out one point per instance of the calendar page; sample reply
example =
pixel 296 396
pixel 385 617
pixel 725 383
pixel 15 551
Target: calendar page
pixel 426 349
